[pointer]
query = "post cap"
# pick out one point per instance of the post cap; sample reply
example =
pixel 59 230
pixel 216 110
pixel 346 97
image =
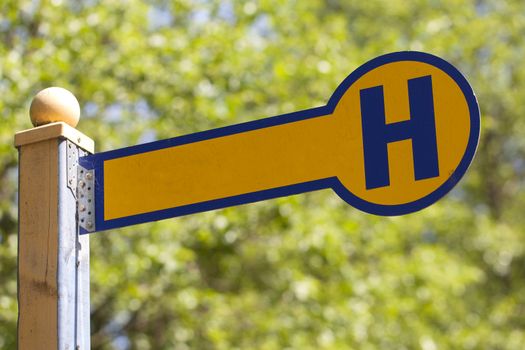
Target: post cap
pixel 54 104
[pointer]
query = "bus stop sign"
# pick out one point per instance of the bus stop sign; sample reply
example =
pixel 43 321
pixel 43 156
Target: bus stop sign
pixel 397 134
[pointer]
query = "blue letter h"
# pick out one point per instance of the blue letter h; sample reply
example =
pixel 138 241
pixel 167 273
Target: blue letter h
pixel 420 128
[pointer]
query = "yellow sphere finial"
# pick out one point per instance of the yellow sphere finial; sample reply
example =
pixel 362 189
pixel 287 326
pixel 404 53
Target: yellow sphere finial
pixel 54 104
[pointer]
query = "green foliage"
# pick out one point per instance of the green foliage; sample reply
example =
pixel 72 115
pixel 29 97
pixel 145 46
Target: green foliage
pixel 305 272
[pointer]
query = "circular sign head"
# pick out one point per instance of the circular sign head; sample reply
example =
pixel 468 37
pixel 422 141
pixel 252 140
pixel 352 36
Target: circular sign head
pixel 409 124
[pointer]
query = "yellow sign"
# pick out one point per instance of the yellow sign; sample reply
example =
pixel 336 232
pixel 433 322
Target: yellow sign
pixel 396 136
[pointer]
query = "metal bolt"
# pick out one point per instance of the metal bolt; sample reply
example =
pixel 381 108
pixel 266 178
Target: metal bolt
pixel 89 176
pixel 82 207
pixel 89 224
pixel 70 181
pixel 82 184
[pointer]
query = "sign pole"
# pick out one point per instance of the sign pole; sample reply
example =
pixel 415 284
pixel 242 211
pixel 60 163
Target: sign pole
pixel 53 260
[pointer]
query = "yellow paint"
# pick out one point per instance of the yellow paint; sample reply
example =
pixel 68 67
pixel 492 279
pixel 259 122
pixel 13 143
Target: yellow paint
pixel 293 153
pixel 219 168
pixel 452 131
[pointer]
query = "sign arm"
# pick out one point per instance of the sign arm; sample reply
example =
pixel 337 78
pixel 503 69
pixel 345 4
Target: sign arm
pixel 285 158
pixel 383 143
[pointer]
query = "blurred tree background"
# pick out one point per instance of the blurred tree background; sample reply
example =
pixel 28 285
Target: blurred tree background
pixel 304 272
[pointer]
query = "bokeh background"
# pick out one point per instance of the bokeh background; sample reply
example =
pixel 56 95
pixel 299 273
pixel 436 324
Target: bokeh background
pixel 304 272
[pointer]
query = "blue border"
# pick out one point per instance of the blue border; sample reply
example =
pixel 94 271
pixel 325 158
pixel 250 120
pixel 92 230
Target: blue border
pixel 96 161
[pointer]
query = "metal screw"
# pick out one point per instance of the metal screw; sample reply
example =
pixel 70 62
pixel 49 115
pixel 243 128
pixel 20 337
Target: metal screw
pixel 89 224
pixel 82 207
pixel 82 184
pixel 89 176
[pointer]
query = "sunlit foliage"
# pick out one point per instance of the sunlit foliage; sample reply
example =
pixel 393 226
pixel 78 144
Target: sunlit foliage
pixel 305 272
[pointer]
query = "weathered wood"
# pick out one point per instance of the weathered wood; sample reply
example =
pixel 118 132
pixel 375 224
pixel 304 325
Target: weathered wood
pixel 53 260
pixel 38 246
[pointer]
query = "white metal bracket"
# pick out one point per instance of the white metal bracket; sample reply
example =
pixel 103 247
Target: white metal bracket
pixel 86 198
pixel 72 163
pixel 81 182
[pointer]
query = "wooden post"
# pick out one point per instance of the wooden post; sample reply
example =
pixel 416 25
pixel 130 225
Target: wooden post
pixel 53 260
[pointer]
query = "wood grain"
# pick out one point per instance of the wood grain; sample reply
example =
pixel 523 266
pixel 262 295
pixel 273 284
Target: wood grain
pixel 37 246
